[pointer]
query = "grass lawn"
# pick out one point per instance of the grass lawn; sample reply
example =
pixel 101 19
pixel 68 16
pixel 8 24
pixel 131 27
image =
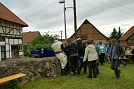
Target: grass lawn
pixel 105 80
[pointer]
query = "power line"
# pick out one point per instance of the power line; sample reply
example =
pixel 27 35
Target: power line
pixel 121 5
pixel 41 11
pixel 52 6
pixel 25 13
pixel 113 7
pixel 103 9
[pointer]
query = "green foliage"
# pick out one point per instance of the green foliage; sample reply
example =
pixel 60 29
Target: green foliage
pixel 116 34
pixel 41 41
pixel 119 34
pixel 105 80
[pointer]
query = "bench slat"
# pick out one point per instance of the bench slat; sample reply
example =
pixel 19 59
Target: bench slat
pixel 12 77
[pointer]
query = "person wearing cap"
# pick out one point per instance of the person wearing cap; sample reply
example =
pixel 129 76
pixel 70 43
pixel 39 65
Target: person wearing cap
pixel 58 48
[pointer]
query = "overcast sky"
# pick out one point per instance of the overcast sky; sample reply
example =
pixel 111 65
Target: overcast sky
pixel 47 15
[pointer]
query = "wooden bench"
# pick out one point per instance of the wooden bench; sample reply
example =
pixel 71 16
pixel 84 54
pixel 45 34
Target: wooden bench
pixel 13 78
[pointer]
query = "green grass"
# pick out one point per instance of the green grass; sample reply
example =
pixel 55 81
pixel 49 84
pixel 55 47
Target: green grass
pixel 105 80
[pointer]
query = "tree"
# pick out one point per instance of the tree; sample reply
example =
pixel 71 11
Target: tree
pixel 113 34
pixel 42 41
pixel 119 34
pixel 116 34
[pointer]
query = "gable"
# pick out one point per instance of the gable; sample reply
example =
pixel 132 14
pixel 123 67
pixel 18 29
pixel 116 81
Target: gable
pixel 91 31
pixel 8 15
pixel 128 34
pixel 87 29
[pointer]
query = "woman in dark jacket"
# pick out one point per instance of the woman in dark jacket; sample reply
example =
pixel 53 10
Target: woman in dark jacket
pixel 81 53
pixel 73 57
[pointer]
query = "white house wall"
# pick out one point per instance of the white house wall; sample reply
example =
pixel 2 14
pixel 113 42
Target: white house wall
pixel 7 30
pixel 2 43
pixel 1 30
pixel 11 41
pixel 16 32
pixel 21 53
pixel 20 41
pixel 7 47
pixel 6 39
pixel 16 41
pixel 7 55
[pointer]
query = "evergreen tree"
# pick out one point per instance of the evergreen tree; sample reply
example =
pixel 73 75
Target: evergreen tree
pixel 119 33
pixel 116 34
pixel 113 34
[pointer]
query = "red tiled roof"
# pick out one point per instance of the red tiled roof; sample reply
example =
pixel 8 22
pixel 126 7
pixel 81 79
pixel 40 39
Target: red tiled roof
pixel 129 33
pixel 6 14
pixel 29 36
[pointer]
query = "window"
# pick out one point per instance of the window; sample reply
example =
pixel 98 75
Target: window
pixel 20 47
pixel 2 38
pixel 84 37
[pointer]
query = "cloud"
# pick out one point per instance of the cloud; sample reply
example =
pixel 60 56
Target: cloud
pixel 48 15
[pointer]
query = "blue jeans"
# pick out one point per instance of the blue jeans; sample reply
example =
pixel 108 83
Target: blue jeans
pixel 122 62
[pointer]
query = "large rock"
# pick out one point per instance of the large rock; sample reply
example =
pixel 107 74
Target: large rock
pixel 34 68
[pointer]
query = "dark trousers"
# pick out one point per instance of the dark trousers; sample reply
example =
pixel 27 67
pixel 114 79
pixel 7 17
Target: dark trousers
pixel 97 68
pixel 74 63
pixel 85 66
pixel 91 67
pixel 133 58
pixel 114 66
pixel 82 65
pixel 101 57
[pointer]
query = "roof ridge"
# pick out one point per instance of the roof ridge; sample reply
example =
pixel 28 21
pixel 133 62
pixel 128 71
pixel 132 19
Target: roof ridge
pixel 31 32
pixel 7 14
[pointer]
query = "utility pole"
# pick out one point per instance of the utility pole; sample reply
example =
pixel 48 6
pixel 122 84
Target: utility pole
pixel 61 35
pixel 75 20
pixel 63 1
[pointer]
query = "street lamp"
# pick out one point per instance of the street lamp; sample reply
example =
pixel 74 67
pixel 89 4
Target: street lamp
pixel 63 1
pixel 75 20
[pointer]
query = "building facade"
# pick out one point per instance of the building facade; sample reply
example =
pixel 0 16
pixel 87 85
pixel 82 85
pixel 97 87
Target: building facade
pixel 88 31
pixel 128 38
pixel 11 45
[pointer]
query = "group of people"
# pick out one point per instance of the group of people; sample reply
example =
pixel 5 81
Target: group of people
pixel 129 53
pixel 87 54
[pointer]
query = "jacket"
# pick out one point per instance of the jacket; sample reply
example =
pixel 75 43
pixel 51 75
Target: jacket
pixel 99 51
pixel 90 53
pixel 73 49
pixel 119 51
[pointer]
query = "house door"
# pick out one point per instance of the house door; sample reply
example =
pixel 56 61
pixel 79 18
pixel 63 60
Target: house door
pixel 15 52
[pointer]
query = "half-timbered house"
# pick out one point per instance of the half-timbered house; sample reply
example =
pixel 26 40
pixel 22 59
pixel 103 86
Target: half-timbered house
pixel 11 43
pixel 87 31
